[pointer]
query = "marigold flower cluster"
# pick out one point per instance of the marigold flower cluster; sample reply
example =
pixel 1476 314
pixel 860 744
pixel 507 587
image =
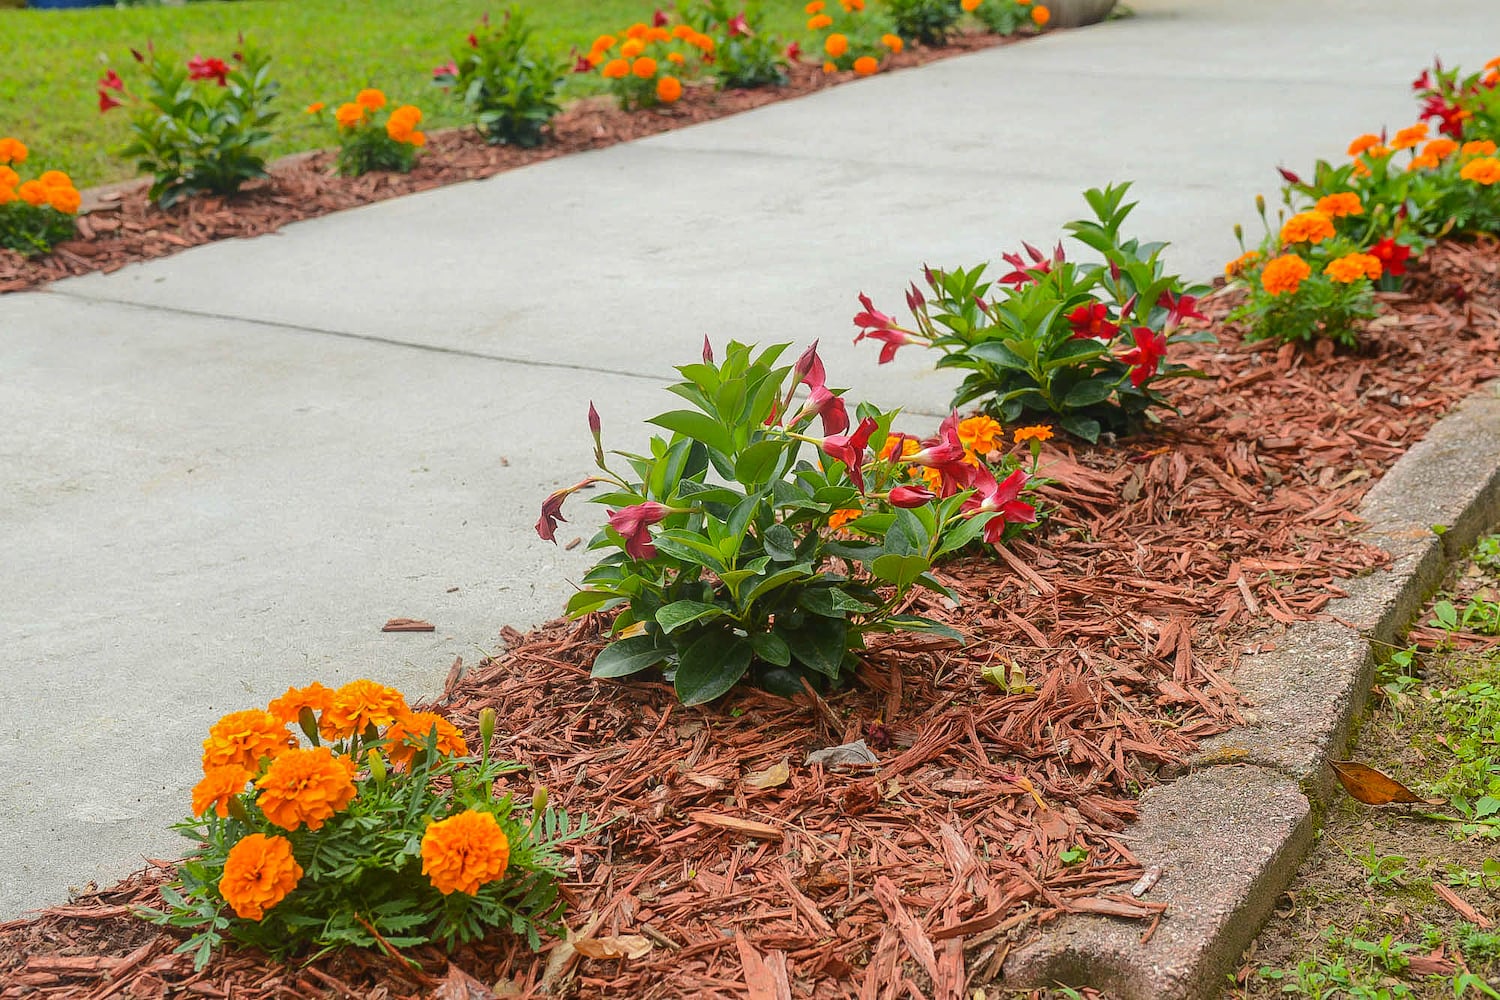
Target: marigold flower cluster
pixel 845 41
pixel 647 65
pixel 400 124
pixel 53 188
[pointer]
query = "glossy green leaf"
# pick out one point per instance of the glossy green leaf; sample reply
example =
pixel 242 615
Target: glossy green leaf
pixel 711 666
pixel 679 613
pixel 629 656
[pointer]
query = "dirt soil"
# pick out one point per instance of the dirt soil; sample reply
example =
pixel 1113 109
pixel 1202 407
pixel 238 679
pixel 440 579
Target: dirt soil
pixel 917 875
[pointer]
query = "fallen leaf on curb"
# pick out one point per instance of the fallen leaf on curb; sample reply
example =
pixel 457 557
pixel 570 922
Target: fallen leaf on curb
pixel 407 625
pixel 1369 786
pixel 772 777
pixel 619 946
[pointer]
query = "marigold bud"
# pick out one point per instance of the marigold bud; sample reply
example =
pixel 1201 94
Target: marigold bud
pixel 486 731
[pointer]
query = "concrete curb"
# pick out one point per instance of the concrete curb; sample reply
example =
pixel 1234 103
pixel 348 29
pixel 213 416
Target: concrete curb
pixel 1232 833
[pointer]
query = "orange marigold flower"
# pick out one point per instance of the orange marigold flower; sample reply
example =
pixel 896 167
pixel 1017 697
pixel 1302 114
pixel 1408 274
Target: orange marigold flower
pixel 1479 147
pixel 1441 147
pixel 703 43
pixel 288 708
pixel 403 122
pixel 409 734
pixel 218 786
pixel 638 30
pixel 32 193
pixel 829 67
pixel 644 67
pixel 1237 266
pixel 839 518
pixel 604 43
pixel 54 178
pixel 305 786
pixel 1340 203
pixel 658 35
pixel 349 115
pixel 908 447
pixel 1362 143
pixel 836 45
pixel 243 738
pixel 866 66
pixel 12 151
pixel 815 7
pixel 980 434
pixel 1410 136
pixel 818 22
pixel 6 194
pixel 616 69
pixel 1041 15
pixel 1284 274
pixel 1352 267
pixel 850 6
pixel 1307 227
pixel 370 98
pixel 258 873
pixel 9 178
pixel 632 48
pixel 1361 169
pixel 1423 161
pixel 418 139
pixel 64 199
pixel 314 107
pixel 1039 432
pixel 682 31
pixel 359 705
pixel 676 58
pixel 970 6
pixel 463 852
pixel 892 42
pixel 1485 170
pixel 668 89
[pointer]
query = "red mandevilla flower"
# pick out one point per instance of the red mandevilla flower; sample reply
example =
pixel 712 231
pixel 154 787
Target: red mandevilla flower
pixel 1183 307
pixel 1288 176
pixel 200 68
pixel 1003 499
pixel 911 496
pixel 850 449
pixel 794 52
pixel 1092 321
pixel 1392 256
pixel 809 367
pixel 659 19
pixel 632 522
pixel 944 450
pixel 546 525
pixel 449 70
pixel 827 406
pixel 738 26
pixel 1145 357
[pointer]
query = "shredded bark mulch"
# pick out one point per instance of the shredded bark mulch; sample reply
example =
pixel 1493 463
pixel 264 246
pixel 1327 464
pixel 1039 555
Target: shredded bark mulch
pixel 123 227
pixel 1167 557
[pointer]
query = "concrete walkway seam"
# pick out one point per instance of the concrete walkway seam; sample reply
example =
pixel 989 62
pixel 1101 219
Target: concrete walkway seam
pixel 1232 832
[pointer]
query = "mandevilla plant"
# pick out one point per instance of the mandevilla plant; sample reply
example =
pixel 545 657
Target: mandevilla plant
pixel 382 831
pixel 1084 342
pixel 37 214
pixel 200 127
pixel 508 85
pixel 743 575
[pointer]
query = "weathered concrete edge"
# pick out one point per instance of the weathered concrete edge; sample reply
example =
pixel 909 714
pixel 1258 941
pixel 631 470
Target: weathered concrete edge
pixel 1219 888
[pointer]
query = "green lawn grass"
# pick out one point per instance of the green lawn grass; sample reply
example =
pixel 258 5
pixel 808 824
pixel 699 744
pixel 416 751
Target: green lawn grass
pixel 322 50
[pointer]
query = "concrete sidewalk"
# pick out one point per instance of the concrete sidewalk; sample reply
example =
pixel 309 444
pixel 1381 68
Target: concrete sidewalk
pixel 225 470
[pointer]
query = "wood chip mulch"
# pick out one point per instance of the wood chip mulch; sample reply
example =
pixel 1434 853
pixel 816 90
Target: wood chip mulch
pixel 749 873
pixel 125 228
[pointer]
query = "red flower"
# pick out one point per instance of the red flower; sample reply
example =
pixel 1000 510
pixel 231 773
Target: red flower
pixel 871 317
pixel 794 52
pixel 809 367
pixel 632 523
pixel 911 496
pixel 200 68
pixel 1288 176
pixel 945 453
pixel 1145 357
pixel 659 19
pixel 1423 82
pixel 850 449
pixel 546 525
pixel 449 71
pixel 106 101
pixel 827 406
pixel 878 326
pixel 112 80
pixel 708 351
pixel 473 40
pixel 1092 320
pixel 1179 309
pixel 739 26
pixel 1392 256
pixel 1003 499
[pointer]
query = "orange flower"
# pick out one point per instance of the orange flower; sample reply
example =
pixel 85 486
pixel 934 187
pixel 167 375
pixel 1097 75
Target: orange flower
pixel 402 123
pixel 54 178
pixel 632 48
pixel 1485 170
pixel 676 58
pixel 1340 203
pixel 892 42
pixel 1362 143
pixel 1361 169
pixel 370 98
pixel 850 6
pixel 839 518
pixel 658 35
pixel 815 7
pixel 314 107
pixel 866 66
pixel 32 193
pixel 349 115
pixel 980 434
pixel 703 43
pixel 9 178
pixel 409 734
pixel 908 447
pixel 616 69
pixel 418 139
pixel 218 786
pixel 1284 275
pixel 1041 15
pixel 1237 266
pixel 1423 161
pixel 1441 147
pixel 682 31
pixel 836 45
pixel 464 852
pixel 644 67
pixel 6 194
pixel 258 873
pixel 305 786
pixel 12 151
pixel 829 67
pixel 818 22
pixel 638 30
pixel 1479 147
pixel 64 199
pixel 1410 136
pixel 970 6
pixel 359 705
pixel 243 738
pixel 604 43
pixel 1040 432
pixel 668 89
pixel 1352 267
pixel 288 708
pixel 1307 227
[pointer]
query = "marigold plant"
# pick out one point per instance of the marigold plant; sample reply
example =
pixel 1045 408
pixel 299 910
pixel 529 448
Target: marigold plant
pixel 35 215
pixel 1009 17
pixel 722 564
pixel 645 66
pixel 507 84
pixel 379 831
pixel 744 54
pixel 1085 344
pixel 374 136
pixel 848 37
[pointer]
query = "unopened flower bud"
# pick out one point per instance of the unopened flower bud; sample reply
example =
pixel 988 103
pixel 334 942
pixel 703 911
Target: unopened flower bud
pixel 1260 204
pixel 486 730
pixel 539 799
pixel 377 766
pixel 708 351
pixel 307 721
pixel 237 809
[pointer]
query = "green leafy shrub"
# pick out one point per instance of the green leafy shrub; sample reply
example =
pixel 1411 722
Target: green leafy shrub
pixel 743 56
pixel 744 575
pixel 928 22
pixel 199 127
pixel 507 85
pixel 1009 17
pixel 383 831
pixel 1085 343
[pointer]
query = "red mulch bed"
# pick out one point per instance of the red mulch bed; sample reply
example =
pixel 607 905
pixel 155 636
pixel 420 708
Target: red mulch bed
pixel 126 228
pixel 1169 555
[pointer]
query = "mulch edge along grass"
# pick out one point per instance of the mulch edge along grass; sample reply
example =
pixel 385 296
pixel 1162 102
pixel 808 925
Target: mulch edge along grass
pixel 918 876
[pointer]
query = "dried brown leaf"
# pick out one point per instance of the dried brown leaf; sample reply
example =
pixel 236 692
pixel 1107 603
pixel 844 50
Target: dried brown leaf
pixel 1373 788
pixel 616 946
